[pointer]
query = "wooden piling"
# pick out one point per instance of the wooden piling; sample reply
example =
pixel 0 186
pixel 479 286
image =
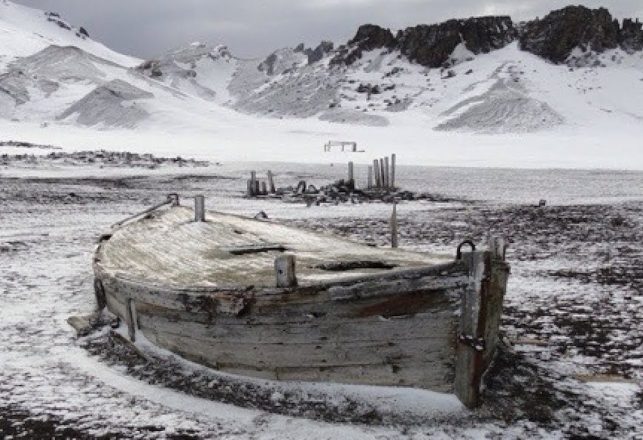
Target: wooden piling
pixel 285 271
pixel 351 179
pixel 199 208
pixel 393 158
pixel 271 182
pixel 376 170
pixel 264 188
pixel 386 173
pixel 382 174
pixel 369 183
pixel 253 180
pixel 394 242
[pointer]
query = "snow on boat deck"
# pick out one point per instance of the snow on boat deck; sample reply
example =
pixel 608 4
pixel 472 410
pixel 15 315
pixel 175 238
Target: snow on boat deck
pixel 170 248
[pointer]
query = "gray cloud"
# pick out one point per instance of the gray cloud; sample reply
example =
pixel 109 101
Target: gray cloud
pixel 253 28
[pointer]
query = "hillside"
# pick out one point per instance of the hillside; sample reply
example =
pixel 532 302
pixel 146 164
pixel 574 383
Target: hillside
pixel 575 74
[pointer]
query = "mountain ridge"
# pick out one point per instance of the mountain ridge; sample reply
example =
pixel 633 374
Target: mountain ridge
pixel 480 74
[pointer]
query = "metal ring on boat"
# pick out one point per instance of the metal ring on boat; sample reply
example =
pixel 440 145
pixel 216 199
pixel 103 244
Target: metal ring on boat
pixel 99 292
pixel 173 198
pixel 458 255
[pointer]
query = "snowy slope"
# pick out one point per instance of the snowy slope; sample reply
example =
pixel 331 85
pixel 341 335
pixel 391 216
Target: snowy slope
pixel 200 69
pixel 58 86
pixel 25 31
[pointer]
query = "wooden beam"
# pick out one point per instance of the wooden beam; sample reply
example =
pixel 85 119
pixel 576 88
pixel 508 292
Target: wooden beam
pixel 481 310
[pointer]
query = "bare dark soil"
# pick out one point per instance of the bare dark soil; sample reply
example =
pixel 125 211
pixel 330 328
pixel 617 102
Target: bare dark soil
pixel 574 310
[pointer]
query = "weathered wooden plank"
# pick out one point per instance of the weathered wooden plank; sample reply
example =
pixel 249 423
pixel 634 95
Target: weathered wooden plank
pixel 309 330
pixel 480 319
pixel 469 350
pixel 169 249
pixel 404 358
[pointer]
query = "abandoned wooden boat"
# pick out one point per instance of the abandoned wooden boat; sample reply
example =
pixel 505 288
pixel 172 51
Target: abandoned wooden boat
pixel 261 299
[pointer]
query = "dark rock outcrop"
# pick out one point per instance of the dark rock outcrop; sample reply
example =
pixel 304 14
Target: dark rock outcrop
pixel 319 52
pixel 553 37
pixel 559 32
pixel 268 65
pixel 368 37
pixel 631 35
pixel 432 45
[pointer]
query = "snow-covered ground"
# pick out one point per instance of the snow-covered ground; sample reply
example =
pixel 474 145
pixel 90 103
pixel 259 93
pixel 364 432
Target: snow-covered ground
pixel 572 319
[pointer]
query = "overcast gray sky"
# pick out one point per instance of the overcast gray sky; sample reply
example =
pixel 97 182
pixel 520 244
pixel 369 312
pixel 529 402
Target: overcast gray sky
pixel 253 28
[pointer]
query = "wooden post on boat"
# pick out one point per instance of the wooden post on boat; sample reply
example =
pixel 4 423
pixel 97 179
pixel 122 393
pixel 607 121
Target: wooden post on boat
pixel 173 199
pixel 376 169
pixel 394 243
pixel 285 271
pixel 369 183
pixel 481 308
pixel 393 157
pixel 351 179
pixel 271 182
pixel 199 208
pixel 131 320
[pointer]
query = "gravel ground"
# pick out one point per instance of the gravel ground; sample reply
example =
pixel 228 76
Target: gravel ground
pixel 570 367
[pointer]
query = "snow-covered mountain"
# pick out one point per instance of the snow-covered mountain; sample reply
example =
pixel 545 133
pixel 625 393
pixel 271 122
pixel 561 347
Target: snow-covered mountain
pixel 576 68
pixel 481 74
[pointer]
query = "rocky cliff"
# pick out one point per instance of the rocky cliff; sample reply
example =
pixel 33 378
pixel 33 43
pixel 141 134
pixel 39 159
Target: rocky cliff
pixel 553 37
